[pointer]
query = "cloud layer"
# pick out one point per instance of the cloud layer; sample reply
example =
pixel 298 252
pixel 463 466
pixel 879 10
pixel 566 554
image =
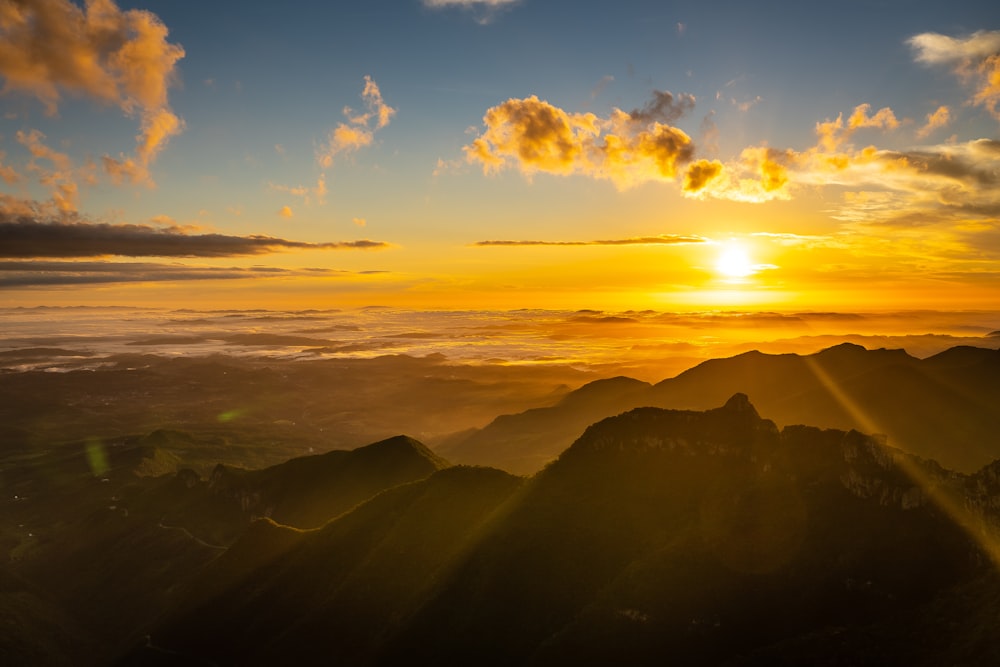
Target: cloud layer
pixel 24 237
pixel 61 274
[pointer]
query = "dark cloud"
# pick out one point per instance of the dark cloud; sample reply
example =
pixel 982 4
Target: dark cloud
pixel 15 274
pixel 663 108
pixel 641 240
pixel 942 164
pixel 25 237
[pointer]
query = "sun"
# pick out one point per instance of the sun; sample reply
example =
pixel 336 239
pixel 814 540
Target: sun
pixel 734 262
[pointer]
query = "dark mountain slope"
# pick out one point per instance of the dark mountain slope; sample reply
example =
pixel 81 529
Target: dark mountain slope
pixel 112 552
pixel 336 591
pixel 659 536
pixel 942 408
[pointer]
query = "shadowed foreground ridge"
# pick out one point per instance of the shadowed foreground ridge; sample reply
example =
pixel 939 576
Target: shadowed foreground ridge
pixel 659 536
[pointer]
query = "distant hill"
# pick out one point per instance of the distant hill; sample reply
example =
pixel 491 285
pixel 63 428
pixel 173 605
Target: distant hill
pixel 942 407
pixel 659 536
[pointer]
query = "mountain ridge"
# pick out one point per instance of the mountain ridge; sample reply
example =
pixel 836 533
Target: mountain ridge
pixel 941 407
pixel 706 536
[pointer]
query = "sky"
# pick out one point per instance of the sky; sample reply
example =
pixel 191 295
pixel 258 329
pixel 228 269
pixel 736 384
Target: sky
pixel 674 156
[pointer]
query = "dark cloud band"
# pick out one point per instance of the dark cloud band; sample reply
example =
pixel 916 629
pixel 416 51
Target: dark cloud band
pixel 22 237
pixel 642 240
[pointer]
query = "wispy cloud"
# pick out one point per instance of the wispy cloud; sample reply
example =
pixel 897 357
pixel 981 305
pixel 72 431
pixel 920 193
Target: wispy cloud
pixel 935 121
pixel 484 10
pixel 25 237
pixel 974 58
pixel 359 130
pixel 62 274
pixel 54 170
pixel 114 56
pixel 665 239
pixel 308 194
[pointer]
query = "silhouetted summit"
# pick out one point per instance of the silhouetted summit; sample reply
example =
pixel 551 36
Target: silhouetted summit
pixel 740 403
pixel 942 407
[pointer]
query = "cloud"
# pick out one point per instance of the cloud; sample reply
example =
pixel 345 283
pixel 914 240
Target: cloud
pixel 949 182
pixel 26 237
pixel 605 81
pixel 701 173
pixel 285 212
pixel 665 239
pixel 307 194
pixel 359 130
pixel 485 10
pixel 467 3
pixel 37 274
pixel 833 133
pixel 935 121
pixel 663 108
pixel 759 174
pixel 936 49
pixel 8 174
pixel 58 176
pixel 533 136
pixel 114 56
pixel 883 119
pixel 974 58
pixel 360 222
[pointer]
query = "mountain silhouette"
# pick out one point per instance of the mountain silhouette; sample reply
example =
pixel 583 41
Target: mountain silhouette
pixel 307 491
pixel 695 537
pixel 942 407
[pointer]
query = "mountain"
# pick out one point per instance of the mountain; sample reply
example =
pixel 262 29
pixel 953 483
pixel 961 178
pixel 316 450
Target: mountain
pixel 286 596
pixel 942 407
pixel 307 491
pixel 112 550
pixel 524 443
pixel 659 536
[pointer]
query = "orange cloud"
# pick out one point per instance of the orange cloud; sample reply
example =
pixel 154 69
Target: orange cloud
pixel 60 178
pixel 306 193
pixel 936 120
pixel 117 57
pixel 285 212
pixel 988 93
pixel 8 174
pixel 533 136
pixel 359 130
pixel 833 133
pixel 883 119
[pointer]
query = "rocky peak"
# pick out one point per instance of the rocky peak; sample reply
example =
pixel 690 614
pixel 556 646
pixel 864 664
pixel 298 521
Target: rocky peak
pixel 740 404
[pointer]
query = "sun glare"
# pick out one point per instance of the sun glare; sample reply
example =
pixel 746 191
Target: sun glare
pixel 734 262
